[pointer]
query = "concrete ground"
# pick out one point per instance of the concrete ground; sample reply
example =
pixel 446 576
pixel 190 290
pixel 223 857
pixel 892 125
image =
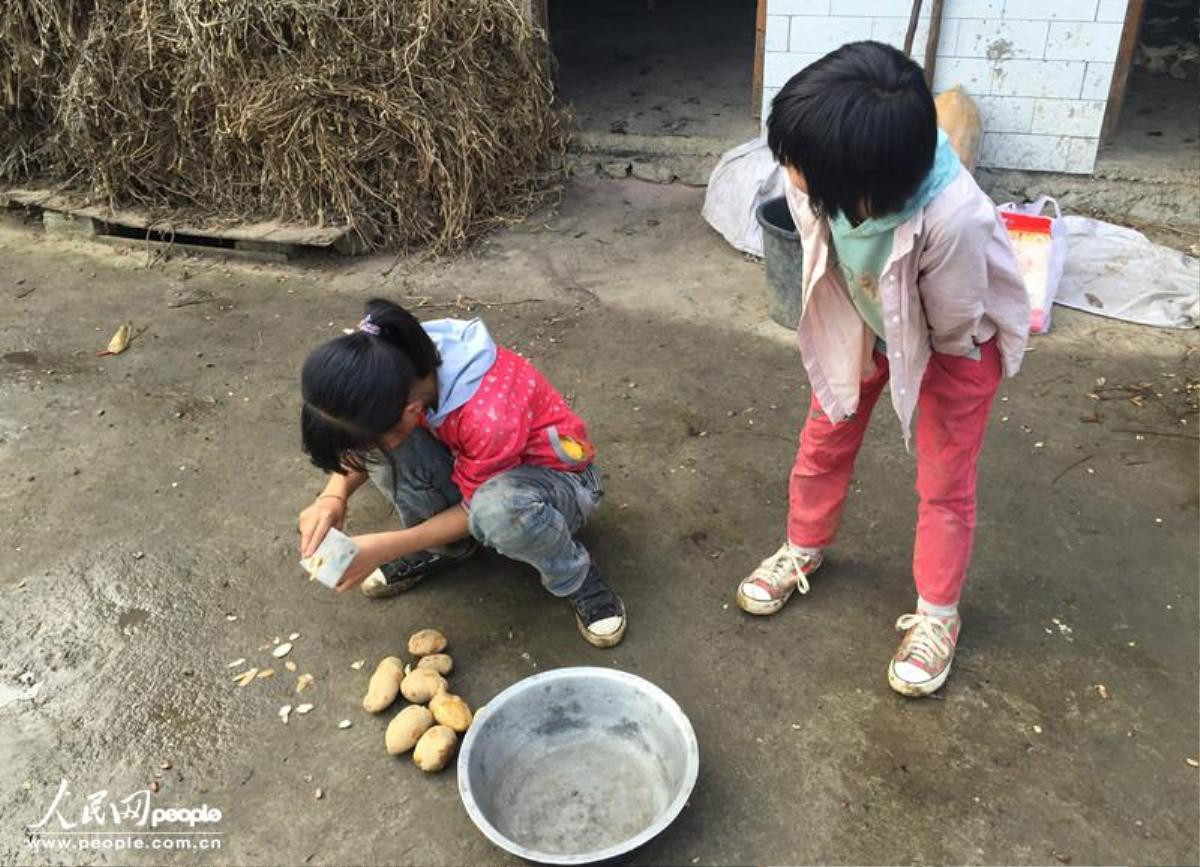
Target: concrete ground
pixel 148 510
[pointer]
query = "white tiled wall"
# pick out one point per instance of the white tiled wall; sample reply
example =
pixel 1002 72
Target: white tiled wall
pixel 1039 70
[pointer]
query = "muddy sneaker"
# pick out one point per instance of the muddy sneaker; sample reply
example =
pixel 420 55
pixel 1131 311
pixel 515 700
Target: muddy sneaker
pixel 922 662
pixel 396 577
pixel 599 612
pixel 776 579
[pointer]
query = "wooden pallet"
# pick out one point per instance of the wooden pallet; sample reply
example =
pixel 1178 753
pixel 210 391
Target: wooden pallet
pixel 68 215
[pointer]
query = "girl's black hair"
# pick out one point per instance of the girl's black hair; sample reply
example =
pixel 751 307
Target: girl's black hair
pixel 355 387
pixel 860 124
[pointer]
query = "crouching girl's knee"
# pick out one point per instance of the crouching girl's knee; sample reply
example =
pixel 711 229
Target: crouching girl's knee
pixel 502 514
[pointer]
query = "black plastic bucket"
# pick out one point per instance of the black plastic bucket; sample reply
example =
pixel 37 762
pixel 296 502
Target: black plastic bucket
pixel 783 258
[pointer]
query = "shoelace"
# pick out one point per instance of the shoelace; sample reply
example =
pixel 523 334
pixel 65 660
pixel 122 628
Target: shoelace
pixel 929 641
pixel 781 561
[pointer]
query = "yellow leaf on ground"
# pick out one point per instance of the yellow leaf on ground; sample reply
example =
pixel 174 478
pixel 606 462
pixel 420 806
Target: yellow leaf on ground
pixel 120 340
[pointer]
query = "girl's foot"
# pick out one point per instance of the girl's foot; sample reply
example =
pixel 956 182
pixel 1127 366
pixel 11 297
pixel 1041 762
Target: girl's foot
pixel 776 579
pixel 922 662
pixel 599 612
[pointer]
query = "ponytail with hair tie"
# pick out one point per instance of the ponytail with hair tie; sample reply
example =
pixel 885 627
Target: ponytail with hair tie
pixel 397 326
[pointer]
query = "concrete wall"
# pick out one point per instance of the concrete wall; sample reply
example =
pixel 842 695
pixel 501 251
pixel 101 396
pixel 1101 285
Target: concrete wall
pixel 1039 69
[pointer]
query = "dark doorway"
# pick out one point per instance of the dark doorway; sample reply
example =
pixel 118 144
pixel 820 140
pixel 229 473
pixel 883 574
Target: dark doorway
pixel 1152 131
pixel 657 67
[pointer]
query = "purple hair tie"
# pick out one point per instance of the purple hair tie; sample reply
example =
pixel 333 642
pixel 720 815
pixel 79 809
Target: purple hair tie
pixel 368 326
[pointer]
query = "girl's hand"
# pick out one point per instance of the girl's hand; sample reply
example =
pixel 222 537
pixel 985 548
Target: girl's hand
pixel 315 521
pixel 374 549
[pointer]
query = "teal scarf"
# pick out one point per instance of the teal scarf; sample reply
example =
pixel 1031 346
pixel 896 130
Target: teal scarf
pixel 863 250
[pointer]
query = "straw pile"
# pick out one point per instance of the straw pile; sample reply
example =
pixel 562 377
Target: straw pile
pixel 408 120
pixel 36 41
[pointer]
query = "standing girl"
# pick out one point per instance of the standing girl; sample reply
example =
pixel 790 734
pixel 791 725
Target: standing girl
pixel 471 444
pixel 908 281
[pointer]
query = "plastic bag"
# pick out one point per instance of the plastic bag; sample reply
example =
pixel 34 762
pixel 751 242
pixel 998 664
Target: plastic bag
pixel 1119 272
pixel 1040 245
pixel 745 177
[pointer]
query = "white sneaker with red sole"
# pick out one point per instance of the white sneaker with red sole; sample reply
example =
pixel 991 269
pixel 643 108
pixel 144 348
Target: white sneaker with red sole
pixel 772 584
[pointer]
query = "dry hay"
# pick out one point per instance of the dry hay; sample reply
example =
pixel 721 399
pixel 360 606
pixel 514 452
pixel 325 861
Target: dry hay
pixel 36 41
pixel 410 120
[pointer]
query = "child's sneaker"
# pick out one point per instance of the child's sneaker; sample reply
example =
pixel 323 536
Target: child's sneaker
pixel 776 579
pixel 399 576
pixel 922 662
pixel 599 612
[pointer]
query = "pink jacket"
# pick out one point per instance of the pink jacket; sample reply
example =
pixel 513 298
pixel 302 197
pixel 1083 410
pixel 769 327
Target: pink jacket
pixel 951 284
pixel 515 417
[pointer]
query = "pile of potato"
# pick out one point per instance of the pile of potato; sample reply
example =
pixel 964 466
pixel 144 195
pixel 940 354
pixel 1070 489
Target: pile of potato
pixel 430 726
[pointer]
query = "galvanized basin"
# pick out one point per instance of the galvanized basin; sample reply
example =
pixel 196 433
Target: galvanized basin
pixel 577 765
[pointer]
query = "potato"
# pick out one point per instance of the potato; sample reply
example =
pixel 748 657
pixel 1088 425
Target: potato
pixel 422 684
pixel 426 642
pixel 434 749
pixel 439 662
pixel 406 729
pixel 450 710
pixel 384 685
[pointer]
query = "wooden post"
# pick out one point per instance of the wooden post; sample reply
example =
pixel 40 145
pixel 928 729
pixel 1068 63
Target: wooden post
pixel 760 46
pixel 931 44
pixel 909 35
pixel 1120 80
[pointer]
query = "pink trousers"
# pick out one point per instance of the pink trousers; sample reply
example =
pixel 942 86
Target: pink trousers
pixel 952 412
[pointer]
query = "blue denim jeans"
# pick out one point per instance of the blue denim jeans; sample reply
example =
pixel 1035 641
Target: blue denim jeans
pixel 529 514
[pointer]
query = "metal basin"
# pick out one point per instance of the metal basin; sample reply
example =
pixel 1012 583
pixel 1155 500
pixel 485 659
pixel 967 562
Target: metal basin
pixel 577 765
